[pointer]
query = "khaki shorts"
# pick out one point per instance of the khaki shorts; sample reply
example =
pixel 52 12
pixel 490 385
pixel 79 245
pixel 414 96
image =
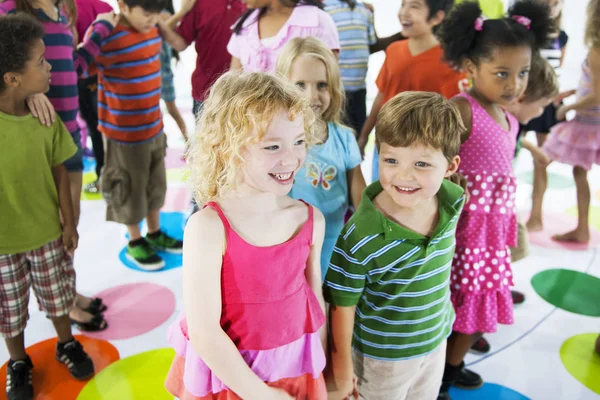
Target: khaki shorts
pixel 134 179
pixel 522 250
pixel 415 379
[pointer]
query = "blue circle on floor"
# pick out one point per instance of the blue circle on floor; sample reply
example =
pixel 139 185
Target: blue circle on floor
pixel 89 164
pixel 172 223
pixel 489 391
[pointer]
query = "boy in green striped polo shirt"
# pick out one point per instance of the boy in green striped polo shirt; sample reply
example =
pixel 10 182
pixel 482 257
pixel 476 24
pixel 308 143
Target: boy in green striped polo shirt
pixel 388 280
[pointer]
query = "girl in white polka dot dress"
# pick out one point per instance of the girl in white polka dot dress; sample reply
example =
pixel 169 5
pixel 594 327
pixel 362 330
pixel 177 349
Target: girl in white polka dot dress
pixel 496 56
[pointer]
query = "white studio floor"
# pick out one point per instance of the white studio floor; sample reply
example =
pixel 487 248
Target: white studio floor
pixel 546 354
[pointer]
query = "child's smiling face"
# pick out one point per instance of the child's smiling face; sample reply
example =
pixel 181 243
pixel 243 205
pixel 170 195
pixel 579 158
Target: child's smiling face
pixel 414 174
pixel 310 74
pixel 414 18
pixel 272 162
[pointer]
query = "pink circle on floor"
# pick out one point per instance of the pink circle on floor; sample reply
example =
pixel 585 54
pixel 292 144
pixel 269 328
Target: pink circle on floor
pixel 554 224
pixel 134 309
pixel 174 158
pixel 177 199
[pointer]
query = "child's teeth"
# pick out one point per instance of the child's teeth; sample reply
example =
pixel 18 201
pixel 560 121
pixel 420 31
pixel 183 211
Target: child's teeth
pixel 283 177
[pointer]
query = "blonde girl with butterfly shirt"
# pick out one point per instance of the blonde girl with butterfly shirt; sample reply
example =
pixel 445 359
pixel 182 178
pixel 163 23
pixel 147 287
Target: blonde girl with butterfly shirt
pixel 331 178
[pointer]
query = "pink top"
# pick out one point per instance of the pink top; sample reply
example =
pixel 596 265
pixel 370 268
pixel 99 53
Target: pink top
pixel 268 310
pixel 303 22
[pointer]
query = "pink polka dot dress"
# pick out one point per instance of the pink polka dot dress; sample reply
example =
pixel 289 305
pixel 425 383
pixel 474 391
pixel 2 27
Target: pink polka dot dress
pixel 481 273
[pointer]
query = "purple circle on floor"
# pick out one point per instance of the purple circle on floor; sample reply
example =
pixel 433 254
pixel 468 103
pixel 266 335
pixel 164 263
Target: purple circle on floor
pixel 134 309
pixel 489 391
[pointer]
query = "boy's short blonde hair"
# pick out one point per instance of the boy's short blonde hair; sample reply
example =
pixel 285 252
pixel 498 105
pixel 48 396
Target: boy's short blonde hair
pixel 238 111
pixel 314 47
pixel 543 82
pixel 592 24
pixel 421 118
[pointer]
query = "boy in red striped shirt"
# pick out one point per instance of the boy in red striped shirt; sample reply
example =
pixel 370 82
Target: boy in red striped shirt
pixel 129 82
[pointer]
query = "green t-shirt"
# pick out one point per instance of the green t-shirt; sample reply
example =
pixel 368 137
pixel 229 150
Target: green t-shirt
pixel 492 9
pixel 29 210
pixel 398 280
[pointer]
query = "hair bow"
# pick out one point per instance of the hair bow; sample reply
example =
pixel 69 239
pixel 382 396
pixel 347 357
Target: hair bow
pixel 526 22
pixel 479 24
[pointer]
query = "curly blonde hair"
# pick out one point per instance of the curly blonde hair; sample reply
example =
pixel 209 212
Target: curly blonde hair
pixel 313 47
pixel 238 111
pixel 592 25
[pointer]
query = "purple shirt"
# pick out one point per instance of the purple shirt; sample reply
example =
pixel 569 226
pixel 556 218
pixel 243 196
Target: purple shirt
pixel 303 22
pixel 87 11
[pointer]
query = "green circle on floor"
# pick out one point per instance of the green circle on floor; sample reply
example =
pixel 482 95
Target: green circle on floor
pixel 580 359
pixel 569 290
pixel 141 376
pixel 555 181
pixel 594 215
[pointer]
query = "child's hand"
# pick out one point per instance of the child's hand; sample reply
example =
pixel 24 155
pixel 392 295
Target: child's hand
pixel 539 157
pixel 70 239
pixel 109 17
pixel 362 143
pixel 187 5
pixel 562 96
pixel 461 181
pixel 344 390
pixel 42 109
pixel 369 7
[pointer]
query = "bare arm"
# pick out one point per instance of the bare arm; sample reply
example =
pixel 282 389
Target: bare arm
pixel 313 268
pixel 236 65
pixel 341 373
pixel 357 184
pixel 383 43
pixel 174 39
pixel 464 108
pixel 174 112
pixel 63 187
pixel 539 157
pixel 203 248
pixel 593 98
pixel 370 122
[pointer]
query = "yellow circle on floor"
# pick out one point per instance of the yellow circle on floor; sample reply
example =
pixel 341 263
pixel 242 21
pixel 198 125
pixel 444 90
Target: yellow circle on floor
pixel 139 377
pixel 578 355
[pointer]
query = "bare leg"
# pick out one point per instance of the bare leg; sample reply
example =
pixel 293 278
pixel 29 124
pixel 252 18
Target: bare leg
pixel 458 346
pixel 540 184
pixel 153 220
pixel 134 232
pixel 16 347
pixel 581 234
pixel 62 325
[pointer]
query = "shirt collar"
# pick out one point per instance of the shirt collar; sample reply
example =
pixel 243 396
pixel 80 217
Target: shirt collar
pixel 370 221
pixel 302 16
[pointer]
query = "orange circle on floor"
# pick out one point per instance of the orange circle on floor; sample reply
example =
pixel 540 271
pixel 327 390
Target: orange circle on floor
pixel 51 379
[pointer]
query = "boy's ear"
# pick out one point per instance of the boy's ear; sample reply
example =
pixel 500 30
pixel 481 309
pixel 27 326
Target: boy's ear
pixel 10 79
pixel 452 167
pixel 438 18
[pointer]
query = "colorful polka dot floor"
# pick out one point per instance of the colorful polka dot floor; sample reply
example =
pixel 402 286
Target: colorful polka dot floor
pixel 546 354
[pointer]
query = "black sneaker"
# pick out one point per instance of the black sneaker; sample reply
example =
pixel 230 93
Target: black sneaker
pixel 76 359
pixel 18 380
pixel 468 379
pixel 482 346
pixel 517 297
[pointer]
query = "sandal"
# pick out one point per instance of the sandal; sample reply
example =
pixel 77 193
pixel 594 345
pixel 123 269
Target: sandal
pixel 96 324
pixel 91 188
pixel 96 306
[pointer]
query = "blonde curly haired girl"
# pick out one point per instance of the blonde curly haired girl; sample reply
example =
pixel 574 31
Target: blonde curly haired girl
pixel 254 310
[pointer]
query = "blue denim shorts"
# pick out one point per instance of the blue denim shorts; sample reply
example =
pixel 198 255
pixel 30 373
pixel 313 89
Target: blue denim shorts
pixel 75 163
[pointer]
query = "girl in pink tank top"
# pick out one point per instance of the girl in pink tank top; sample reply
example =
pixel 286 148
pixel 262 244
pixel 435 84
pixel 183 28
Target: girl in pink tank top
pixel 496 56
pixel 253 321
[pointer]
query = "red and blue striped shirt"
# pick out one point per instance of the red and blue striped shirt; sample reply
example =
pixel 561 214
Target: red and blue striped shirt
pixel 129 83
pixel 68 63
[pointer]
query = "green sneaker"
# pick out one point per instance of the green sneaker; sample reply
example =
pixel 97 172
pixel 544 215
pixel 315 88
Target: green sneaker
pixel 166 243
pixel 145 257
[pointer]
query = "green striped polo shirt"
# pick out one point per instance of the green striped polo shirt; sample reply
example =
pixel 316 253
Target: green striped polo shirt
pixel 398 280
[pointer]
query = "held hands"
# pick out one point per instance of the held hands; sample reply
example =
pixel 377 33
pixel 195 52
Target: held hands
pixel 110 17
pixel 461 181
pixel 70 239
pixel 539 157
pixel 42 109
pixel 343 389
